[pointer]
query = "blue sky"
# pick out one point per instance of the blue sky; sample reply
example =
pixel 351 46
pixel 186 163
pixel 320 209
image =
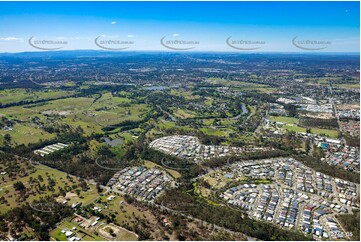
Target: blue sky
pixel 272 25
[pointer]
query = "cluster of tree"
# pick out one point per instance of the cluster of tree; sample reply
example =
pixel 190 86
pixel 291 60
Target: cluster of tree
pixel 62 128
pixel 139 150
pixel 261 97
pixel 351 223
pixel 288 143
pixel 91 90
pixel 81 93
pixel 7 140
pixel 353 141
pixel 164 100
pixel 40 222
pixel 188 169
pixel 206 90
pixel 124 125
pixel 14 166
pixel 184 229
pixel 26 150
pixel 334 171
pixel 291 109
pixel 319 122
pixel 72 159
pixel 19 186
pixel 84 167
pixel 194 123
pixel 251 123
pixel 4 121
pixel 218 162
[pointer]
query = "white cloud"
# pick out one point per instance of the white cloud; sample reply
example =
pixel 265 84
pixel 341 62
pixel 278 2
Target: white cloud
pixel 60 38
pixel 113 22
pixel 130 36
pixel 79 38
pixel 11 39
pixel 175 35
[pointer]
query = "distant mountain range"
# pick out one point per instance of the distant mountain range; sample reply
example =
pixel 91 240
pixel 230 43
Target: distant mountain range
pixel 103 53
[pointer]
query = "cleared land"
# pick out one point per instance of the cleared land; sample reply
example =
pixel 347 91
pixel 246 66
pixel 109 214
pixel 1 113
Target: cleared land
pixel 173 173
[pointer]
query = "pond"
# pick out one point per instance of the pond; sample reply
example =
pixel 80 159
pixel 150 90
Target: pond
pixel 156 88
pixel 114 142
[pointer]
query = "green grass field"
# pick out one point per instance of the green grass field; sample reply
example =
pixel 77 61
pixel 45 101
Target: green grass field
pixel 211 131
pixel 11 195
pixel 348 85
pixel 124 212
pixel 89 113
pixel 208 101
pixel 61 181
pixel 162 124
pixel 17 95
pixel 182 113
pixel 184 93
pixel 117 115
pixel 25 134
pixel 292 126
pixel 327 132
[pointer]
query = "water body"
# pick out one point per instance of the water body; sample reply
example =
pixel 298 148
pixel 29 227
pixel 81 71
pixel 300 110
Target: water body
pixel 114 142
pixel 156 88
pixel 244 109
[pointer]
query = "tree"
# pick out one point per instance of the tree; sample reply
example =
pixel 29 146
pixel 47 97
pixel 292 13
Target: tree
pixel 99 189
pixel 111 232
pixel 7 139
pixel 77 191
pixel 19 186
